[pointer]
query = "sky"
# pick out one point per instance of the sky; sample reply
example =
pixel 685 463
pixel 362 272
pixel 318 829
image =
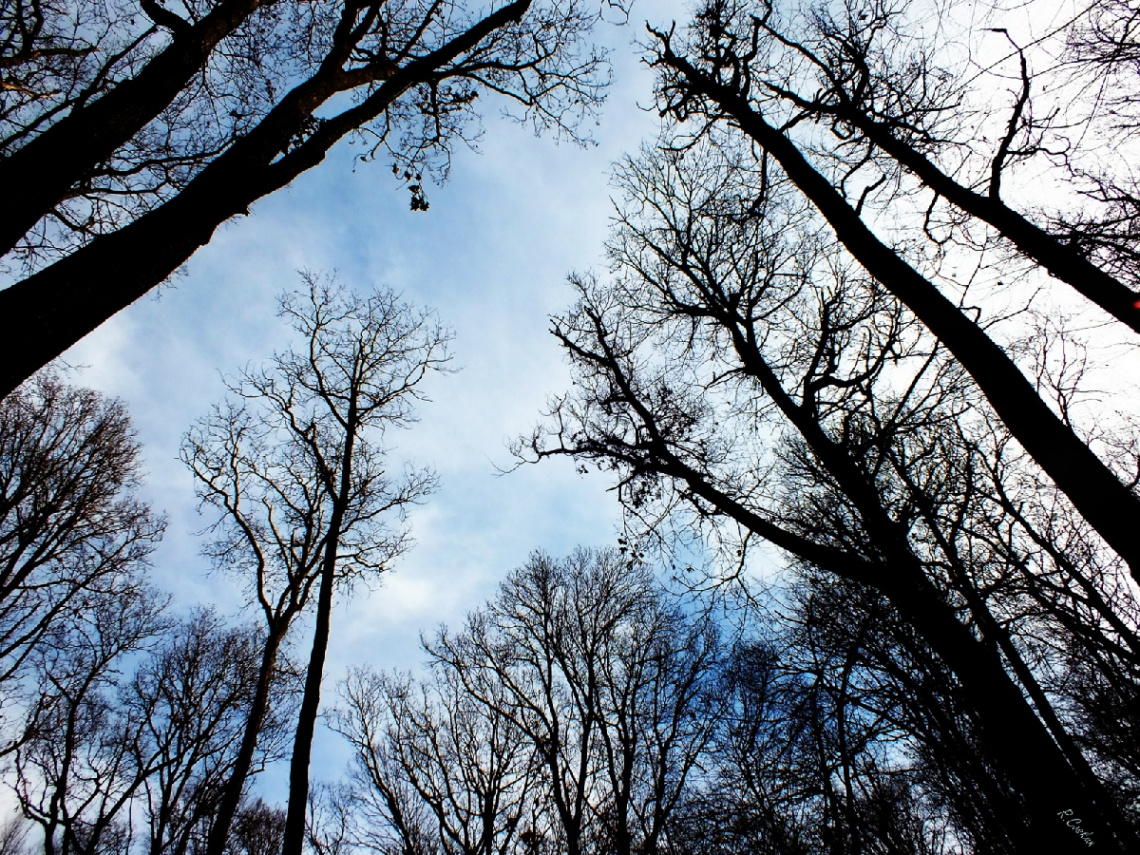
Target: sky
pixel 491 256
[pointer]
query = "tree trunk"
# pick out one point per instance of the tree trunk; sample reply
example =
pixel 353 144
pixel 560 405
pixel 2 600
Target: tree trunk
pixel 991 628
pixel 294 837
pixel 41 173
pixel 1101 498
pixel 232 792
pixel 62 303
pixel 1013 734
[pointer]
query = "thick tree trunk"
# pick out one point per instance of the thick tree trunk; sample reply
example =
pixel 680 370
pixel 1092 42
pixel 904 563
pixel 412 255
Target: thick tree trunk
pixel 56 307
pixel 1012 733
pixel 996 632
pixel 1101 498
pixel 1061 261
pixel 990 809
pixel 41 173
pixel 1064 740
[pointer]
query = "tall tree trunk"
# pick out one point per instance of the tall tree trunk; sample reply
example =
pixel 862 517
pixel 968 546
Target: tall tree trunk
pixel 1012 733
pixel 294 837
pixel 235 786
pixel 1101 498
pixel 40 174
pixel 993 630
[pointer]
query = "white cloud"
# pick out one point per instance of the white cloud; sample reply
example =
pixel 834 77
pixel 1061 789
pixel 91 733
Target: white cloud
pixel 491 255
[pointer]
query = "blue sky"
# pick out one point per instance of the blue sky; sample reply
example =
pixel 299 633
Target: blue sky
pixel 491 256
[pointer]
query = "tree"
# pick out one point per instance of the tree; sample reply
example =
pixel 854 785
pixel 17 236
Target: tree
pixel 70 525
pixel 569 714
pixel 1097 62
pixel 608 679
pixel 110 748
pixel 389 815
pixel 117 713
pixel 76 773
pixel 769 74
pixel 738 366
pixel 191 698
pixel 810 755
pixel 187 117
pixel 912 765
pixel 435 768
pixel 295 464
pixel 330 820
pixel 257 830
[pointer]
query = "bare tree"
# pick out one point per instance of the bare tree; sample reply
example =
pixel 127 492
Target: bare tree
pixel 738 366
pixel 76 773
pixel 330 820
pixel 810 755
pixel 390 816
pixel 295 463
pixel 117 712
pixel 766 75
pixel 71 528
pixel 430 747
pixel 608 679
pixel 129 138
pixel 136 720
pixel 569 714
pixel 258 829
pixel 191 698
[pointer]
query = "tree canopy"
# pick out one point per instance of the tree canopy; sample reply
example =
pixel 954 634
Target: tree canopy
pixel 188 117
pixel 849 370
